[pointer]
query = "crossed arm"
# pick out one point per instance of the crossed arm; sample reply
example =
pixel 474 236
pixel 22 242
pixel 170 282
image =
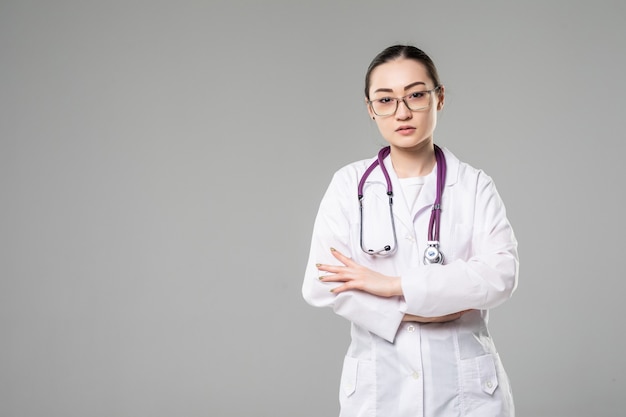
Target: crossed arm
pixel 353 276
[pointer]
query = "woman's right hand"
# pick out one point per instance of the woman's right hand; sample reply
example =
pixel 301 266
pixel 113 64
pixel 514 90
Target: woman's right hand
pixel 440 319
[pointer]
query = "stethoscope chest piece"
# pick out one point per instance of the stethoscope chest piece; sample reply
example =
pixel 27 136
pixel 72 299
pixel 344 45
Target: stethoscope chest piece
pixel 432 254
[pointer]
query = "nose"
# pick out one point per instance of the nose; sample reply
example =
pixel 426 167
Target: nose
pixel 403 112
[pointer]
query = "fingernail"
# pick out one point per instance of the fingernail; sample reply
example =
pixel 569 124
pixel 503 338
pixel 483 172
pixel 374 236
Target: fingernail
pixel 332 249
pixel 318 265
pixel 320 278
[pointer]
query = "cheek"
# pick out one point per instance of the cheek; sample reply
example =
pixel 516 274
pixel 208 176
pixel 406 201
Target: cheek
pixel 433 118
pixel 429 120
pixel 385 127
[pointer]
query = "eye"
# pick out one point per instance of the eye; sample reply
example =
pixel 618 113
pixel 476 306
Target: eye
pixel 417 95
pixel 385 100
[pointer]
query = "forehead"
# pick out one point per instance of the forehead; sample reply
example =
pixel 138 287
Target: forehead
pixel 397 74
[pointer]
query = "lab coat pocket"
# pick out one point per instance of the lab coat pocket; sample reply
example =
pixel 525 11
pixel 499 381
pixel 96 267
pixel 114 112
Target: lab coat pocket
pixel 487 372
pixel 479 380
pixel 349 375
pixel 357 388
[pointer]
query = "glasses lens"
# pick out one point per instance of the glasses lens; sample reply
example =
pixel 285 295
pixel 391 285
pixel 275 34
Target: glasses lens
pixel 418 100
pixel 384 106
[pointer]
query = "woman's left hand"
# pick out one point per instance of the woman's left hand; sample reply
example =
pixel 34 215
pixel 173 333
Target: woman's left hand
pixel 357 277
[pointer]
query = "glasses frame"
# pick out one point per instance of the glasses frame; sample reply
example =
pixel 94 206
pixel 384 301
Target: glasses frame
pixel 403 98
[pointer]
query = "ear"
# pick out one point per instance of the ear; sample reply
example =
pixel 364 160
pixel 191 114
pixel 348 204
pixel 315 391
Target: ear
pixel 441 97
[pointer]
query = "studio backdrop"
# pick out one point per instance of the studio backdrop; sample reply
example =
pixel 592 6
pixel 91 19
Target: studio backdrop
pixel 161 164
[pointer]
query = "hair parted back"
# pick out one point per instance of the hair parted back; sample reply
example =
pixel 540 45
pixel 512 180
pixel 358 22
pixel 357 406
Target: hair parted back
pixel 399 52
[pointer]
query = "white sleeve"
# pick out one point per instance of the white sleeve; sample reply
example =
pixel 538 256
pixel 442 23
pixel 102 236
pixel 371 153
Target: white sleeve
pixel 485 279
pixel 379 315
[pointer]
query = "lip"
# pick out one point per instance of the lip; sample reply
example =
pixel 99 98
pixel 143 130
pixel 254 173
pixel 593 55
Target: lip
pixel 405 130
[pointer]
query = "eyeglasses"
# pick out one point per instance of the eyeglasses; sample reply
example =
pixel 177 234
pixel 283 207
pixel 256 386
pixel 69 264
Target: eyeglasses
pixel 415 101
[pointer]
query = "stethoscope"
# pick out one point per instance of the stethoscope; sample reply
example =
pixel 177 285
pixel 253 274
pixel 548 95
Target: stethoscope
pixel 432 254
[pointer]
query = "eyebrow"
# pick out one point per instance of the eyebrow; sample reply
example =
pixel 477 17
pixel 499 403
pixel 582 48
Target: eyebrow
pixel 389 90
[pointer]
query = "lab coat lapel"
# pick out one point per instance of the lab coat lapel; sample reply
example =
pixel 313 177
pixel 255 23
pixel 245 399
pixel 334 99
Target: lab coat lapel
pixel 428 194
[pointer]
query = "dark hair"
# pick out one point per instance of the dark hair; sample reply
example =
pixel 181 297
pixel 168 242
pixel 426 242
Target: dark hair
pixel 397 52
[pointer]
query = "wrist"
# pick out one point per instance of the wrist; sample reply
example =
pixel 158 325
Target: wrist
pixel 396 286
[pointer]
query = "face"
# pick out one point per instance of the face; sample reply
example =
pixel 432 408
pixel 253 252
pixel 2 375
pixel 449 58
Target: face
pixel 405 129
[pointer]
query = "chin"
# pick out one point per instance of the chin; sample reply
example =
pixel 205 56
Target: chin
pixel 410 143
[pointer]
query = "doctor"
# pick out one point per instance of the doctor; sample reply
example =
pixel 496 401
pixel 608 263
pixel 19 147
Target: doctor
pixel 420 344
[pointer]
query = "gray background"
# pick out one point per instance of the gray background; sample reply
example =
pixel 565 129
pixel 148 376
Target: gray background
pixel 161 163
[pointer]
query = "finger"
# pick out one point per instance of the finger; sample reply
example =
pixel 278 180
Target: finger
pixel 330 268
pixel 333 278
pixel 447 317
pixel 341 257
pixel 341 288
pixel 451 317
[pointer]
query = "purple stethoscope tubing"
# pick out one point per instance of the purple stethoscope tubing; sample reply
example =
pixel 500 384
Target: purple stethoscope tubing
pixel 432 254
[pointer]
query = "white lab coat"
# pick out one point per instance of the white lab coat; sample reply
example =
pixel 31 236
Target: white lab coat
pixel 401 369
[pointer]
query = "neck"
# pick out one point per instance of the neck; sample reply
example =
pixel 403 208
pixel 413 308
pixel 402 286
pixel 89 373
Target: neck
pixel 414 162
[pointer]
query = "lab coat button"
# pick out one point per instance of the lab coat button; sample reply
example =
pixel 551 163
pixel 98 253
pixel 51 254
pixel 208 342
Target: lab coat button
pixel 410 328
pixel 489 384
pixel 416 375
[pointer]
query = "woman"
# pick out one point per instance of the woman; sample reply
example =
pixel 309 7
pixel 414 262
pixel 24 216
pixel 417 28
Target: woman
pixel 416 278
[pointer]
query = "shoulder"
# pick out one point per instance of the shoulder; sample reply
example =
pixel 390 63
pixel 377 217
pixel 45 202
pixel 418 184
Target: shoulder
pixel 341 193
pixel 351 173
pixel 356 166
pixel 463 173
